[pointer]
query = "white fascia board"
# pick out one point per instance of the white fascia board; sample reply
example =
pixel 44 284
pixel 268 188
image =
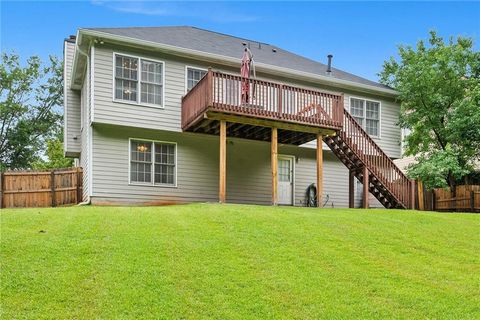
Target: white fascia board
pixel 267 68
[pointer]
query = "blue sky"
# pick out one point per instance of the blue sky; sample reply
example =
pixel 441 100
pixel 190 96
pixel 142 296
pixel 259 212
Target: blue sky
pixel 360 35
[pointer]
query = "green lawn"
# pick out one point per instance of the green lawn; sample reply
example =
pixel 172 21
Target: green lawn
pixel 207 261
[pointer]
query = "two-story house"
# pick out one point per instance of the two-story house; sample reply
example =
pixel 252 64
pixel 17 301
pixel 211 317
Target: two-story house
pixel 162 115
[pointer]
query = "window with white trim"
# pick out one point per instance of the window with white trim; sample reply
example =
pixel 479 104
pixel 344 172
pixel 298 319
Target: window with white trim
pixel 367 114
pixel 194 76
pixel 152 162
pixel 137 74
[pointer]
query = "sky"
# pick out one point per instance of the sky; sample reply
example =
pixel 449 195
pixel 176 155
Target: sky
pixel 360 35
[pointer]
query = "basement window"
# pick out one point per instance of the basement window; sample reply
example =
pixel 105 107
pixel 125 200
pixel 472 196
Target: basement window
pixel 367 114
pixel 153 162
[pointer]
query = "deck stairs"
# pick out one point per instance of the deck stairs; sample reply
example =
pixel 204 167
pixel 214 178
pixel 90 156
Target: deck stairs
pixel 358 151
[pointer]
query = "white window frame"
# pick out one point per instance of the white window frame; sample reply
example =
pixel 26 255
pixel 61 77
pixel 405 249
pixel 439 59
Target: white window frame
pixel 186 74
pixel 364 117
pixel 151 184
pixel 139 80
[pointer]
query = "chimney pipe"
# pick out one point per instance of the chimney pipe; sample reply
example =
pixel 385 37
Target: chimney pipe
pixel 329 67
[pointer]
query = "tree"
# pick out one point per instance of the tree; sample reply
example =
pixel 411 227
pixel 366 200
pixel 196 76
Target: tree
pixel 54 154
pixel 30 113
pixel 439 92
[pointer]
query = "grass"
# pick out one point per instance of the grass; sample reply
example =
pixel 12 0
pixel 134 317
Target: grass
pixel 206 261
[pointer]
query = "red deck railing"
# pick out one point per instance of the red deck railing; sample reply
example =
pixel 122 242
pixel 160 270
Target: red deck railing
pixel 233 94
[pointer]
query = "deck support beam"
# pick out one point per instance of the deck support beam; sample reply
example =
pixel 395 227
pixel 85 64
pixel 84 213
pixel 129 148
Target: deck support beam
pixel 351 189
pixel 274 158
pixel 365 187
pixel 222 185
pixel 319 170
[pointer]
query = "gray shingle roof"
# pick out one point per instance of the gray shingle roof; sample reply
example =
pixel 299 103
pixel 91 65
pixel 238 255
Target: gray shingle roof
pixel 230 46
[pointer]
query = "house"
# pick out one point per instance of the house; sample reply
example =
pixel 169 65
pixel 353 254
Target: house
pixel 161 115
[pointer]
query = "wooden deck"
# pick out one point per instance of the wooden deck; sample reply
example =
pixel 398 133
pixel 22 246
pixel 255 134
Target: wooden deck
pixel 252 107
pixel 229 105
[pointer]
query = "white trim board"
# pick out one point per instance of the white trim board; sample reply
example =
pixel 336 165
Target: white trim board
pixel 92 84
pixel 65 99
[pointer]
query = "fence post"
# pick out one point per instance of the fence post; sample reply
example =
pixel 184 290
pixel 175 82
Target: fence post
pixel 434 201
pixel 421 204
pixel 472 200
pixel 79 183
pixel 1 189
pixel 412 194
pixel 52 184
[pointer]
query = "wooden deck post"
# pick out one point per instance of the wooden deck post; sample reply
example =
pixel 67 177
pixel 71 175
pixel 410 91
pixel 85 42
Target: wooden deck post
pixel 365 188
pixel 351 189
pixel 223 162
pixel 210 87
pixel 274 158
pixel 319 170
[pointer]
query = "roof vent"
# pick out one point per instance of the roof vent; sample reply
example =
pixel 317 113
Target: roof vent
pixel 274 50
pixel 329 66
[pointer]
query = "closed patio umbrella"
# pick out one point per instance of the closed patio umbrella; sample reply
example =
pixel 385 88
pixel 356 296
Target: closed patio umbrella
pixel 245 74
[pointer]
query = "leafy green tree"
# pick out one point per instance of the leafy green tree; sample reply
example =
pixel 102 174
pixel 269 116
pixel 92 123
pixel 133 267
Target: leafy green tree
pixel 30 112
pixel 54 154
pixel 439 91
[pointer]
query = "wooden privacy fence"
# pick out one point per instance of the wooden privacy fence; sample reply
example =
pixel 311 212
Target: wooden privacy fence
pixel 467 199
pixel 21 189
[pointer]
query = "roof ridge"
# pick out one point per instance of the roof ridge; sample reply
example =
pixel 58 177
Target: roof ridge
pixel 231 36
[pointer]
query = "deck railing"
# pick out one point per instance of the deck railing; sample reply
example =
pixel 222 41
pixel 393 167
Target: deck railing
pixel 377 162
pixel 233 94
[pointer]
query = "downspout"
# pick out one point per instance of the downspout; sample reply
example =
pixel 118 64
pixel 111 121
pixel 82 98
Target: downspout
pixel 84 203
pixel 88 201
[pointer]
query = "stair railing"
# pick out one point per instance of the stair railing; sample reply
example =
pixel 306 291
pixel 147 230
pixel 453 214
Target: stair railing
pixel 377 162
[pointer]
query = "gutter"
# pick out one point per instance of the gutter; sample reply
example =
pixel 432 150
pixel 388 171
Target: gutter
pixel 267 68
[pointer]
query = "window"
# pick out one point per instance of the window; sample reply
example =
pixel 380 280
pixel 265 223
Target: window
pixel 194 76
pixel 152 162
pixel 128 80
pixel 367 114
pixel 164 163
pixel 284 170
pixel 357 110
pixel 372 118
pixel 141 162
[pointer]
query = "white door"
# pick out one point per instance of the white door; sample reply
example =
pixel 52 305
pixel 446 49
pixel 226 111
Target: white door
pixel 285 180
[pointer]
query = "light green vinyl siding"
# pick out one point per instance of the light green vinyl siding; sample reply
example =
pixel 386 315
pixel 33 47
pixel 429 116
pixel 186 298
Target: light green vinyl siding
pixel 248 170
pixel 71 105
